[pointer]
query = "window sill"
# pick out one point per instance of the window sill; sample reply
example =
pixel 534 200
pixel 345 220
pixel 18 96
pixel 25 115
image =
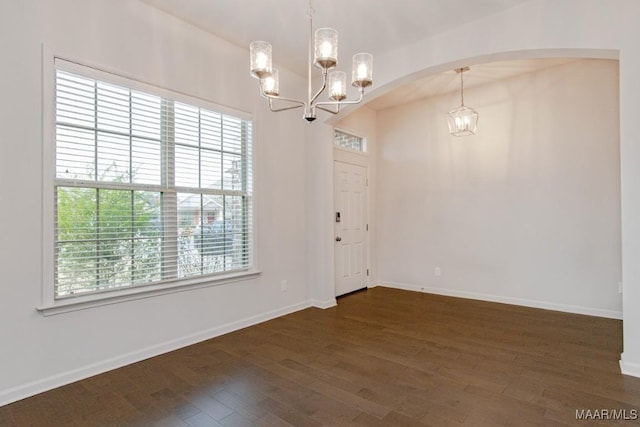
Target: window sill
pixel 96 300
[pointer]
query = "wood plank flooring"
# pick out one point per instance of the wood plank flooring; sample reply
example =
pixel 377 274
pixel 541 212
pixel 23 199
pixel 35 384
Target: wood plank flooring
pixel 383 357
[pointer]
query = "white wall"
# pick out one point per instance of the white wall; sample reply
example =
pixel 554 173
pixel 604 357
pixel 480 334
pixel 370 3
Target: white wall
pixel 138 41
pixel 525 211
pixel 542 28
pixel 319 189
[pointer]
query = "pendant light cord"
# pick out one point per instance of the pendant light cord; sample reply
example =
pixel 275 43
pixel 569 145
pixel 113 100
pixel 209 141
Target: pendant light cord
pixel 311 10
pixel 461 88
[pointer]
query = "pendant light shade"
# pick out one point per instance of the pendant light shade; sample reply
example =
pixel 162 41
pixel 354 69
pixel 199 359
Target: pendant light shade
pixel 463 121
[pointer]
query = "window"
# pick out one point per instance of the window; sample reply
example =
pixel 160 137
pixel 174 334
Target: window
pixel 348 141
pixel 149 188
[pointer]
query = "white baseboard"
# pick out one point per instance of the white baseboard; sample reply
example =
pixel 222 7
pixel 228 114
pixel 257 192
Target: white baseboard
pixel 589 311
pixel 323 304
pixel 629 368
pixel 26 390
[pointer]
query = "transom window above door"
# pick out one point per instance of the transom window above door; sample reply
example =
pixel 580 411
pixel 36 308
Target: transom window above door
pixel 348 141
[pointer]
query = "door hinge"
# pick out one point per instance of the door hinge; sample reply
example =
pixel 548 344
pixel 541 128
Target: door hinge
pixel 367 227
pixel 367 271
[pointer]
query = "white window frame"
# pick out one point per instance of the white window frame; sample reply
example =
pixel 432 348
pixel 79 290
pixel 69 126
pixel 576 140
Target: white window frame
pixel 50 305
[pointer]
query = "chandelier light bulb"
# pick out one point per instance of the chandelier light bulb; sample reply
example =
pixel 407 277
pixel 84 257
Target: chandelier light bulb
pixel 362 71
pixel 325 49
pixel 261 61
pixel 270 84
pixel 337 85
pixel 462 123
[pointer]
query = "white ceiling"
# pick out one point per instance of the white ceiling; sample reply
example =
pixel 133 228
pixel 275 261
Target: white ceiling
pixel 374 26
pixel 480 74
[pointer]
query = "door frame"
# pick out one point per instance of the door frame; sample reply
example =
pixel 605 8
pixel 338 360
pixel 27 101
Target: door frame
pixel 359 159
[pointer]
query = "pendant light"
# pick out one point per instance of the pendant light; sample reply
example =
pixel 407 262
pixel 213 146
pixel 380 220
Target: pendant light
pixel 463 120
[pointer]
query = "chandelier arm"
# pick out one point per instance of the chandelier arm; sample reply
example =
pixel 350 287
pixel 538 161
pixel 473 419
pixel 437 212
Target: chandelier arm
pixel 338 103
pixel 277 110
pixel 280 98
pixel 336 111
pixel 322 88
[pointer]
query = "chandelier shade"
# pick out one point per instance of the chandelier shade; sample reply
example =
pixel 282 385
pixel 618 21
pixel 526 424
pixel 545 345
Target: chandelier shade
pixel 337 85
pixel 326 48
pixel 323 53
pixel 462 121
pixel 362 74
pixel 270 84
pixel 260 54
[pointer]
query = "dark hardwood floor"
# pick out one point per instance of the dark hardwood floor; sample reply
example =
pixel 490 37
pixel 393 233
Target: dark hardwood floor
pixel 383 357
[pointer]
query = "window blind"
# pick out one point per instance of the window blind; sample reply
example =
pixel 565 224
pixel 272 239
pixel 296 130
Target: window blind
pixel 148 189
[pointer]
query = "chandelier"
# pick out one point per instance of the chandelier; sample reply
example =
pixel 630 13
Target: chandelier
pixel 463 120
pixel 323 53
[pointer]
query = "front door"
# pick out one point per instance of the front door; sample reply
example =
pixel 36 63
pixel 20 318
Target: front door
pixel 351 245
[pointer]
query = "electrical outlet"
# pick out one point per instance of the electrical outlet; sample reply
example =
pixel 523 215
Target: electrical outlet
pixel 283 285
pixel 437 272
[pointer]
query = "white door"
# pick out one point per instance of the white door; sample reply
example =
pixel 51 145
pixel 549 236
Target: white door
pixel 351 245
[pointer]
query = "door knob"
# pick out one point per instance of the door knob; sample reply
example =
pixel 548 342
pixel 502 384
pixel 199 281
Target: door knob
pixel 338 239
